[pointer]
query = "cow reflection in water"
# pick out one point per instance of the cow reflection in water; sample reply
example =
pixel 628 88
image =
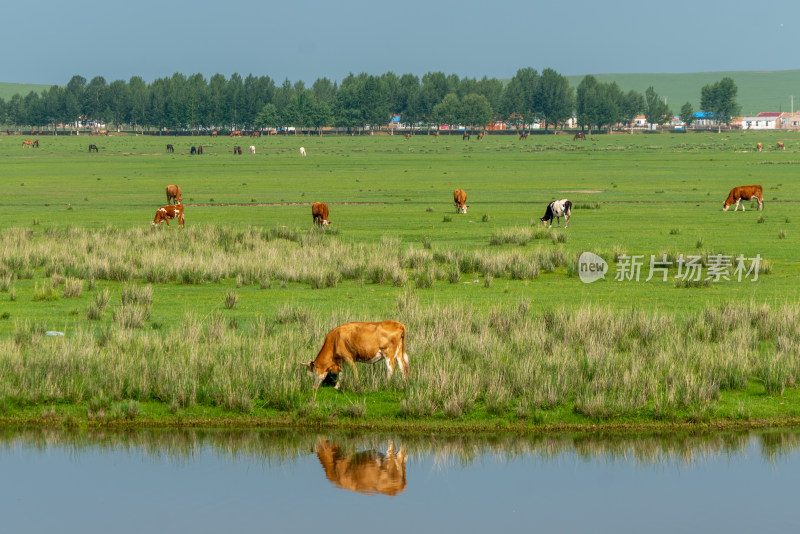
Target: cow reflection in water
pixel 365 472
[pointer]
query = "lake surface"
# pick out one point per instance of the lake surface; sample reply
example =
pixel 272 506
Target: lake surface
pixel 151 481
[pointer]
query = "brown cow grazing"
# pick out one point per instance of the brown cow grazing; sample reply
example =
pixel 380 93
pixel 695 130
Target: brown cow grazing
pixel 780 145
pixel 523 135
pixel 579 135
pixel 370 471
pixel 744 192
pixel 92 147
pixel 170 148
pixel 460 200
pixel 758 147
pixel 319 212
pixel 166 213
pixel 173 193
pixel 368 342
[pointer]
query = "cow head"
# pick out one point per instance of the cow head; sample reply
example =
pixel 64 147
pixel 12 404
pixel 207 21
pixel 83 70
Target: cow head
pixel 464 209
pixel 325 222
pixel 544 222
pixel 319 374
pixel 725 206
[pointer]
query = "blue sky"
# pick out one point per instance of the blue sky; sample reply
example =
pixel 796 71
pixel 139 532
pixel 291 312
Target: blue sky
pixel 307 39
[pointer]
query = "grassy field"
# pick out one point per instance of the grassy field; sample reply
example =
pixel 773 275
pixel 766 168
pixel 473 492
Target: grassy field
pixel 501 329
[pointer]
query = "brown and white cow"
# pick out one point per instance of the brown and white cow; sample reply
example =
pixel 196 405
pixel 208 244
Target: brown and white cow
pixel 174 193
pixel 370 471
pixel 744 192
pixel 368 342
pixel 319 213
pixel 460 200
pixel 166 213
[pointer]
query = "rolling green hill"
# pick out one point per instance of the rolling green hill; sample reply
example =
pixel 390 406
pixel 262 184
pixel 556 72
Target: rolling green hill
pixel 758 90
pixel 7 90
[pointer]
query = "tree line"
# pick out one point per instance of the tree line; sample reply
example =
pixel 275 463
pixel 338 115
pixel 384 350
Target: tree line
pixel 193 102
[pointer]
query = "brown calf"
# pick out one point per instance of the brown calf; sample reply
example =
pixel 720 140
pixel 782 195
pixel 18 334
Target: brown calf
pixel 460 200
pixel 166 213
pixel 319 212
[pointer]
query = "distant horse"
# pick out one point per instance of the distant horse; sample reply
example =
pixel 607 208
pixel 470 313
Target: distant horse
pixel 193 150
pixel 780 145
pixel 92 147
pixel 523 135
pixel 252 149
pixel 480 136
pixel 32 144
pixel 214 133
pixel 407 135
pixel 237 150
pixel 465 135
pixel 200 149
pixel 579 135
pixel 255 134
pixel 236 133
pixel 170 148
pixel 758 146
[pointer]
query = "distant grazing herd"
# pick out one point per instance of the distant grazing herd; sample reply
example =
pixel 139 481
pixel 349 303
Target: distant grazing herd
pixel 371 342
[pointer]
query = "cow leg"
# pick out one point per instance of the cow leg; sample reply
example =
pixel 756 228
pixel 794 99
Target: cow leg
pixel 355 370
pixel 389 368
pixel 566 218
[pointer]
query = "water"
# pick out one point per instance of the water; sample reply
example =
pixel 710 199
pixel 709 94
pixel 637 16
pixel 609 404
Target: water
pixel 294 481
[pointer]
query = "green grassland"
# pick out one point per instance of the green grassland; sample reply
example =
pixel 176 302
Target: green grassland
pixel 7 90
pixel 396 249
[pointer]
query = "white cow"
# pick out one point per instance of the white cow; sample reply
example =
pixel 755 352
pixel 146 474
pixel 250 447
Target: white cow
pixel 303 151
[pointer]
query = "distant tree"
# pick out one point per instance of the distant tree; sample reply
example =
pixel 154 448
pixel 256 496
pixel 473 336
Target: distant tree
pixel 118 102
pixel 687 114
pixel 448 111
pixel 521 94
pixel 655 109
pixel 586 101
pixel 475 110
pixel 720 99
pixel 268 117
pixel 632 106
pixel 139 98
pixel 94 98
pixel 555 98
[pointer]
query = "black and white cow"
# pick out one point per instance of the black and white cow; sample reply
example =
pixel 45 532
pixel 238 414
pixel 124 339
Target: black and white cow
pixel 555 210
